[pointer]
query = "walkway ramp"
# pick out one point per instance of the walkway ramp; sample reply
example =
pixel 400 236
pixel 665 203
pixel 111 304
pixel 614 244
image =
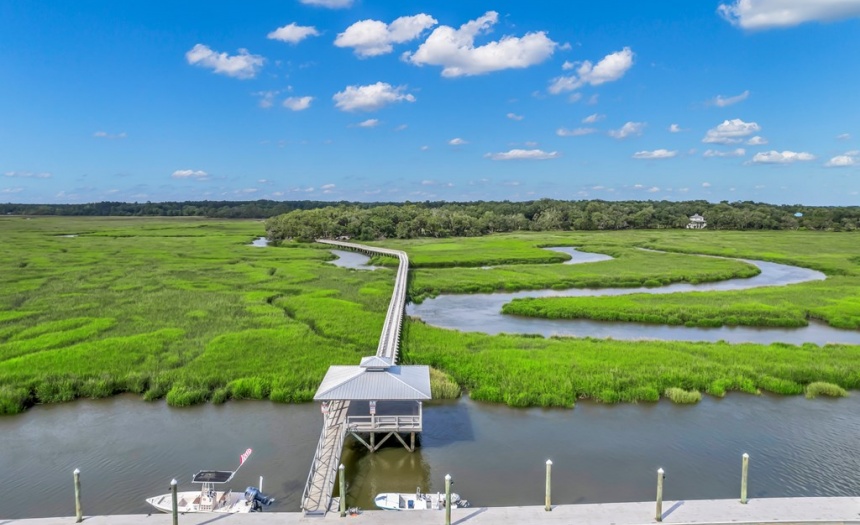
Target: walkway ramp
pixel 318 489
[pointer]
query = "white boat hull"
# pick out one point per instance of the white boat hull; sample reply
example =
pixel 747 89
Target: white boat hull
pixel 413 501
pixel 195 501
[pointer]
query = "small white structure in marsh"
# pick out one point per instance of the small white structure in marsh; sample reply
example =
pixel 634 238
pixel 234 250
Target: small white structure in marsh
pixel 697 222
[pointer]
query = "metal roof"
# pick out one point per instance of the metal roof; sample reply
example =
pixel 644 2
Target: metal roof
pixel 403 383
pixel 375 362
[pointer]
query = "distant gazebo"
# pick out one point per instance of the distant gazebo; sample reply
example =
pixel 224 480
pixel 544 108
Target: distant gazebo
pixel 390 395
pixel 697 222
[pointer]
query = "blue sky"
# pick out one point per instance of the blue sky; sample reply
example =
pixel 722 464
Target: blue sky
pixel 370 100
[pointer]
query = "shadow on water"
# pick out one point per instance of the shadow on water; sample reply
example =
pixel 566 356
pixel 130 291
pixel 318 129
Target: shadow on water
pixel 446 423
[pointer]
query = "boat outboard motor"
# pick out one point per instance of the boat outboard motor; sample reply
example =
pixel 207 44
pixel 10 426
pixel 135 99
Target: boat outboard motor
pixel 257 499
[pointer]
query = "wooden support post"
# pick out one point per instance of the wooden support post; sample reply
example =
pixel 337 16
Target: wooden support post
pixel 548 506
pixel 175 503
pixel 79 513
pixel 342 479
pixel 447 499
pixel 412 442
pixel 372 441
pixel 745 468
pixel 660 476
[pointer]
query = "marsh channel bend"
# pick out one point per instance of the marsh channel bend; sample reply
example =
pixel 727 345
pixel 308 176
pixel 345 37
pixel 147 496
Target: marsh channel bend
pixel 128 450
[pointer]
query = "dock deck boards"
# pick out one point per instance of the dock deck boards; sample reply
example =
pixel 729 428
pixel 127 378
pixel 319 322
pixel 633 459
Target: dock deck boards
pixel 820 511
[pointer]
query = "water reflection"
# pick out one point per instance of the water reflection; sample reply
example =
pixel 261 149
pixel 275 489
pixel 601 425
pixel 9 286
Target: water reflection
pixel 353 260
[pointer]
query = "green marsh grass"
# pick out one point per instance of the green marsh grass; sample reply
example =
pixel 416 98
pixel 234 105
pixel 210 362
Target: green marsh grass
pixel 184 309
pixel 820 388
pixel 683 397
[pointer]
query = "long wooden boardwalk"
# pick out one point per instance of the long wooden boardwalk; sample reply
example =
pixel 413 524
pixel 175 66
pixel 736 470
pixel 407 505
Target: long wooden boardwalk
pixel 317 497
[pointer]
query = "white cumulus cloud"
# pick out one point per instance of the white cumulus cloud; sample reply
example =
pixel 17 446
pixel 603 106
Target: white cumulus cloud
pixel 757 141
pixel 591 119
pixel 767 14
pixel 781 157
pixel 331 4
pixel 369 123
pixel 674 128
pixel 370 38
pixel 190 174
pixel 298 103
pixel 29 174
pixel 514 116
pixel 371 97
pixel 244 65
pixel 739 152
pixel 457 142
pixel 106 135
pixel 628 129
pixel 292 33
pixel 843 136
pixel 576 132
pixel 523 154
pixel 611 68
pixel 455 50
pixel 851 158
pixel 656 154
pixel 730 132
pixel 721 101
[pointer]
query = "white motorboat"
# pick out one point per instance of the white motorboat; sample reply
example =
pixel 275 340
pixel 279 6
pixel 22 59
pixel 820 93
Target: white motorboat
pixel 212 499
pixel 416 501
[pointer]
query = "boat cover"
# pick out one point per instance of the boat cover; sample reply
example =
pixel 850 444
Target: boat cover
pixel 213 476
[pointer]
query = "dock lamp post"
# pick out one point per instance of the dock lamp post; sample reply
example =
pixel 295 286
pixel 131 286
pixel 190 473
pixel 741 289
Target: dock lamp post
pixel 79 515
pixel 175 503
pixel 660 476
pixel 447 499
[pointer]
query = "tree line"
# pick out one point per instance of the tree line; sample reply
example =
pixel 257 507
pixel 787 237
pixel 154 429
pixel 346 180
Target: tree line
pixel 441 219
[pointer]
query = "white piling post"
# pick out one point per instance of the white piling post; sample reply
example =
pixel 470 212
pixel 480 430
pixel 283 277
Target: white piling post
pixel 79 515
pixel 745 468
pixel 548 505
pixel 447 499
pixel 261 483
pixel 342 479
pixel 660 476
pixel 175 503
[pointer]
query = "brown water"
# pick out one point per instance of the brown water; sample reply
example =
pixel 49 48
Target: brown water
pixel 128 450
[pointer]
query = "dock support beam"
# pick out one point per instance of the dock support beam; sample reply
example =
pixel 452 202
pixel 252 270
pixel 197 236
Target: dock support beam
pixel 660 476
pixel 745 469
pixel 79 514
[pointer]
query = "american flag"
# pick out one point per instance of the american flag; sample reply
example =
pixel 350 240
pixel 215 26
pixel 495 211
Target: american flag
pixel 244 456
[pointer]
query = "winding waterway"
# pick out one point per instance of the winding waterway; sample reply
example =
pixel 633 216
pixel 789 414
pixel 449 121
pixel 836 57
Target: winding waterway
pixel 482 312
pixel 128 450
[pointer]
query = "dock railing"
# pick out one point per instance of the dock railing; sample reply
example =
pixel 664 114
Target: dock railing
pixel 394 423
